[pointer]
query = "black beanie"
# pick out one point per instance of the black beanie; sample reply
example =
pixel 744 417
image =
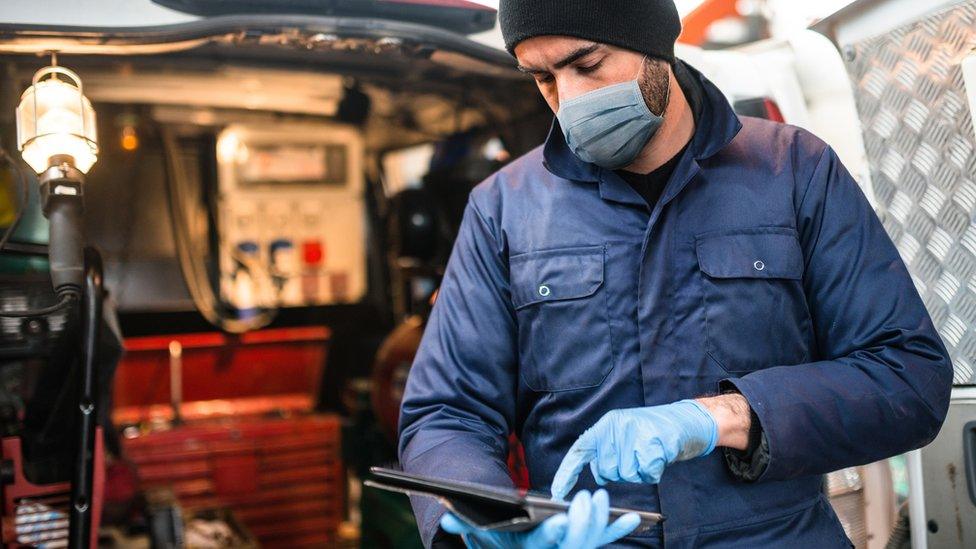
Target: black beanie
pixel 646 26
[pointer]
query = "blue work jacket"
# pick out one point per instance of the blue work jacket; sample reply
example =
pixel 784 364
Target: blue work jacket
pixel 762 266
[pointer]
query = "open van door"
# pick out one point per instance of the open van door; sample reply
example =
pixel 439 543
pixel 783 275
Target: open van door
pixel 911 69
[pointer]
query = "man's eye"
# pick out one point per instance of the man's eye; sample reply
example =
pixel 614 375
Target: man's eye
pixel 544 78
pixel 589 68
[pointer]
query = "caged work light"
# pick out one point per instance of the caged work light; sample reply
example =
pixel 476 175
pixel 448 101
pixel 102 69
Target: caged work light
pixel 56 137
pixel 56 121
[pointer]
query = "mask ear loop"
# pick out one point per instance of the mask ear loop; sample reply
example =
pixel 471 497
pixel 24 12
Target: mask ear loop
pixel 640 69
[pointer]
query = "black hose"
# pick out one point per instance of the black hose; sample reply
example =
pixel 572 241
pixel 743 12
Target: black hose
pixel 194 274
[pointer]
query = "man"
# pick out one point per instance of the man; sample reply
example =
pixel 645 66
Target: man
pixel 663 279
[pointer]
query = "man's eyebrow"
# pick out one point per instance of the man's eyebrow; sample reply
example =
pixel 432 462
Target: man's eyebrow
pixel 580 52
pixel 575 55
pixel 530 70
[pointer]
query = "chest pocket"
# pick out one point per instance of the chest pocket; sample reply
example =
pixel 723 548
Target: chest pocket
pixel 563 321
pixel 756 314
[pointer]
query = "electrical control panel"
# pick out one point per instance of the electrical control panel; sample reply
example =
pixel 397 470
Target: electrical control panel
pixel 291 218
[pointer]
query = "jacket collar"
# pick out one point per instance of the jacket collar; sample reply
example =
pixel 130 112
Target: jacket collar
pixel 714 130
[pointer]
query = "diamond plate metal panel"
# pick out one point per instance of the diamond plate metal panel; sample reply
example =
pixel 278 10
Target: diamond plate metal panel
pixel 918 132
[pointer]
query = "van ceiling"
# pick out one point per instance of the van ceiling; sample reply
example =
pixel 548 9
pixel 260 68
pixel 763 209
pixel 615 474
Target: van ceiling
pixel 416 96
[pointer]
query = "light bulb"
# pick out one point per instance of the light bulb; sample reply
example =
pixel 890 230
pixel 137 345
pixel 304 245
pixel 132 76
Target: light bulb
pixel 54 118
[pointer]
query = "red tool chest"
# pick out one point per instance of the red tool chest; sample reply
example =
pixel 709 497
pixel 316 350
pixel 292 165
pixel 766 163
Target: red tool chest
pixel 283 478
pixel 249 441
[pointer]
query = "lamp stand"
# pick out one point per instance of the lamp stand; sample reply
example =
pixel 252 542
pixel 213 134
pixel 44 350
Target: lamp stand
pixel 80 518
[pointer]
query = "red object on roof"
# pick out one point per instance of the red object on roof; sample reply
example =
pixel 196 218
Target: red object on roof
pixel 694 26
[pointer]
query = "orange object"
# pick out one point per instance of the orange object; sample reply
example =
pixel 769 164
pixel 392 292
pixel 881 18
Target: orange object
pixel 130 139
pixel 694 27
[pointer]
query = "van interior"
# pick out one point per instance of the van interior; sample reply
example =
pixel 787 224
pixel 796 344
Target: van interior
pixel 274 201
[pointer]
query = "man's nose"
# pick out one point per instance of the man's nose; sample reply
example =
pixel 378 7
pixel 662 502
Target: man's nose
pixel 568 88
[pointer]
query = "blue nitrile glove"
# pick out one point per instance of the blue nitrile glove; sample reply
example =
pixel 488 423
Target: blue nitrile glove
pixel 584 526
pixel 636 444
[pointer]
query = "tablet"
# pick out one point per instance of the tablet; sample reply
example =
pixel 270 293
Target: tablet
pixel 489 507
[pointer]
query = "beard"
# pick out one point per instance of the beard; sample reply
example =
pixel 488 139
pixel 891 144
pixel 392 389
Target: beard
pixel 655 84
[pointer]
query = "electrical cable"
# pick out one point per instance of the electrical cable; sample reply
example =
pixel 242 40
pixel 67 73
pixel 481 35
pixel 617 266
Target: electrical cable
pixel 195 275
pixel 24 197
pixel 64 303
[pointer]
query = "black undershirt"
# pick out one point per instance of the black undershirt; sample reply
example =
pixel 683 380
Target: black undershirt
pixel 651 185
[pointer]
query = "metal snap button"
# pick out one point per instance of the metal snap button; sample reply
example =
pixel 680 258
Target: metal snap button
pixel 759 265
pixel 544 291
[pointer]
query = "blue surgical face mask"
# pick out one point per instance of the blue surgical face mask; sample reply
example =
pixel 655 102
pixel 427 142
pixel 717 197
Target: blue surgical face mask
pixel 609 126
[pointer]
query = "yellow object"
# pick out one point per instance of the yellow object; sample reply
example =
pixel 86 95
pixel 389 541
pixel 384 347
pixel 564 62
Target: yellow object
pixel 8 198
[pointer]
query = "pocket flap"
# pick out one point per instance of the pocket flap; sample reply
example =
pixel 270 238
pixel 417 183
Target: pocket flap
pixel 769 252
pixel 554 275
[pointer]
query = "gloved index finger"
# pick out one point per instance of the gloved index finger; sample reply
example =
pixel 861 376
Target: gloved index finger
pixel 580 453
pixel 599 516
pixel 580 520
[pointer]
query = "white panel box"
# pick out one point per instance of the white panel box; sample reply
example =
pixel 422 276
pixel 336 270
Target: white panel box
pixel 291 215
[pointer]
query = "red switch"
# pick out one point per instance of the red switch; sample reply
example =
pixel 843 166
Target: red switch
pixel 313 252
